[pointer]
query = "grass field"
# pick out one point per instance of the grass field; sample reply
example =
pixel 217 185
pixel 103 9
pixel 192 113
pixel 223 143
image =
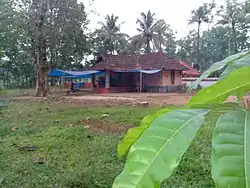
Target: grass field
pixel 73 155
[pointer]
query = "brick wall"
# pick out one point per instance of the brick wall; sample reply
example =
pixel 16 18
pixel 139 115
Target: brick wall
pixel 161 82
pixel 152 79
pixel 162 79
pixel 166 78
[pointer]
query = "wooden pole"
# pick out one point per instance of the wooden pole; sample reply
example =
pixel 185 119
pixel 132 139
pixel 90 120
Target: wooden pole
pixel 140 82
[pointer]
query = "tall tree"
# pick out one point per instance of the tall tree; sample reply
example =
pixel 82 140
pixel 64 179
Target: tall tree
pixel 151 32
pixel 55 30
pixel 164 37
pixel 198 16
pixel 14 47
pixel 234 16
pixel 186 47
pixel 214 46
pixel 110 34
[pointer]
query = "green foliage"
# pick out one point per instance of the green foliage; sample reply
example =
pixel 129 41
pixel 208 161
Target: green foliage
pixel 62 30
pixel 74 156
pixel 230 146
pixel 154 145
pixel 153 33
pixel 231 84
pixel 242 62
pixel 74 160
pixel 161 145
pixel 214 46
pixel 134 133
pixel 234 15
pixel 200 15
pixel 3 100
pixel 234 59
pixel 109 39
pixel 69 43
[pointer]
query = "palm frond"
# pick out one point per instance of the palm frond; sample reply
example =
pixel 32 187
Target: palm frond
pixel 159 25
pixel 222 22
pixel 142 24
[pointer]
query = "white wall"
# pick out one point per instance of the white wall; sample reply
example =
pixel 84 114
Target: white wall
pixel 204 83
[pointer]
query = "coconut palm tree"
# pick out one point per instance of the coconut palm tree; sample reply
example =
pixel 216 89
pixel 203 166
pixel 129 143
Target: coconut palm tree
pixel 199 16
pixel 148 29
pixel 110 33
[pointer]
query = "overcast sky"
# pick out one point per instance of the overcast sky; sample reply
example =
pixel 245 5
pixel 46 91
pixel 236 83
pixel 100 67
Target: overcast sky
pixel 174 12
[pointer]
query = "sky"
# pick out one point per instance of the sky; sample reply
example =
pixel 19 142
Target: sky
pixel 174 12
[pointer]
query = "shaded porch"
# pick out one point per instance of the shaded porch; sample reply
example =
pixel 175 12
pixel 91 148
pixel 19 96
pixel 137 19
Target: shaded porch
pixel 157 81
pixel 117 81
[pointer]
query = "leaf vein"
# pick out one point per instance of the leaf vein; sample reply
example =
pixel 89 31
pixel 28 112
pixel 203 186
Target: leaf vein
pixel 169 140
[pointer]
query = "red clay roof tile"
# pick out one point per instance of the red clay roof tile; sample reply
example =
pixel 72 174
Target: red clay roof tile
pixel 191 71
pixel 149 61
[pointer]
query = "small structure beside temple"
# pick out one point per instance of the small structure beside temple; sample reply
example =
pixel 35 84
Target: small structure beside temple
pixel 190 72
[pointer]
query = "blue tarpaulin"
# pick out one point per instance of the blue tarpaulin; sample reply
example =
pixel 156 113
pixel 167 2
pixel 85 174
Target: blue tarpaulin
pixel 88 74
pixel 73 74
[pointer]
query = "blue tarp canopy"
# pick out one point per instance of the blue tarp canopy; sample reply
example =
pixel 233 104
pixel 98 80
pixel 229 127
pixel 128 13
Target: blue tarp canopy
pixel 88 74
pixel 73 74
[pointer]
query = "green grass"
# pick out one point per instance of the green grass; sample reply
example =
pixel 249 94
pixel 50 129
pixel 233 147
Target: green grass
pixel 75 156
pixel 18 92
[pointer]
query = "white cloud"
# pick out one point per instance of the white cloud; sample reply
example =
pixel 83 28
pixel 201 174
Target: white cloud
pixel 175 12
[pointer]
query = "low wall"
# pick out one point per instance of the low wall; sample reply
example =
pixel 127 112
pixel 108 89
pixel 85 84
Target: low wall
pixel 204 83
pixel 114 90
pixel 163 89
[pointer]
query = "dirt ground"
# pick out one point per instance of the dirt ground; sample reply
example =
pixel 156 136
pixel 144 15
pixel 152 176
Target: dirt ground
pixel 134 99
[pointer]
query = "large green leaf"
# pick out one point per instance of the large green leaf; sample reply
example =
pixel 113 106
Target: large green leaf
pixel 217 66
pixel 134 133
pixel 242 62
pixel 236 82
pixel 159 150
pixel 231 150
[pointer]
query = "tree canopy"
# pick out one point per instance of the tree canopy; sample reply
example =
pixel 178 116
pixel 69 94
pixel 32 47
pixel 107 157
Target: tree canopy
pixel 38 35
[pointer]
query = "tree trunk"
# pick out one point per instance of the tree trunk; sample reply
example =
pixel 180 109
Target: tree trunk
pixel 234 38
pixel 42 84
pixel 112 51
pixel 198 46
pixel 148 45
pixel 161 39
pixel 229 42
pixel 41 66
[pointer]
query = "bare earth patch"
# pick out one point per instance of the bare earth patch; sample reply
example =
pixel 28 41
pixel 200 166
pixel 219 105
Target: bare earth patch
pixel 121 99
pixel 117 99
pixel 101 126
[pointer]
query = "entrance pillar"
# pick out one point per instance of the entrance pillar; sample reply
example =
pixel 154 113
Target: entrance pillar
pixel 107 79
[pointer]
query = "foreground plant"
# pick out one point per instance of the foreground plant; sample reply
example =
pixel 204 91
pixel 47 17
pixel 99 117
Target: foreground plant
pixel 156 147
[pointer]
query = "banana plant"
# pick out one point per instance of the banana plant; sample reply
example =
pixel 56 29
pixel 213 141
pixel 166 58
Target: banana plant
pixel 155 148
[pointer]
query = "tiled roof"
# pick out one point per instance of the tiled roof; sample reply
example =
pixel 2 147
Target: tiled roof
pixel 149 61
pixel 191 71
